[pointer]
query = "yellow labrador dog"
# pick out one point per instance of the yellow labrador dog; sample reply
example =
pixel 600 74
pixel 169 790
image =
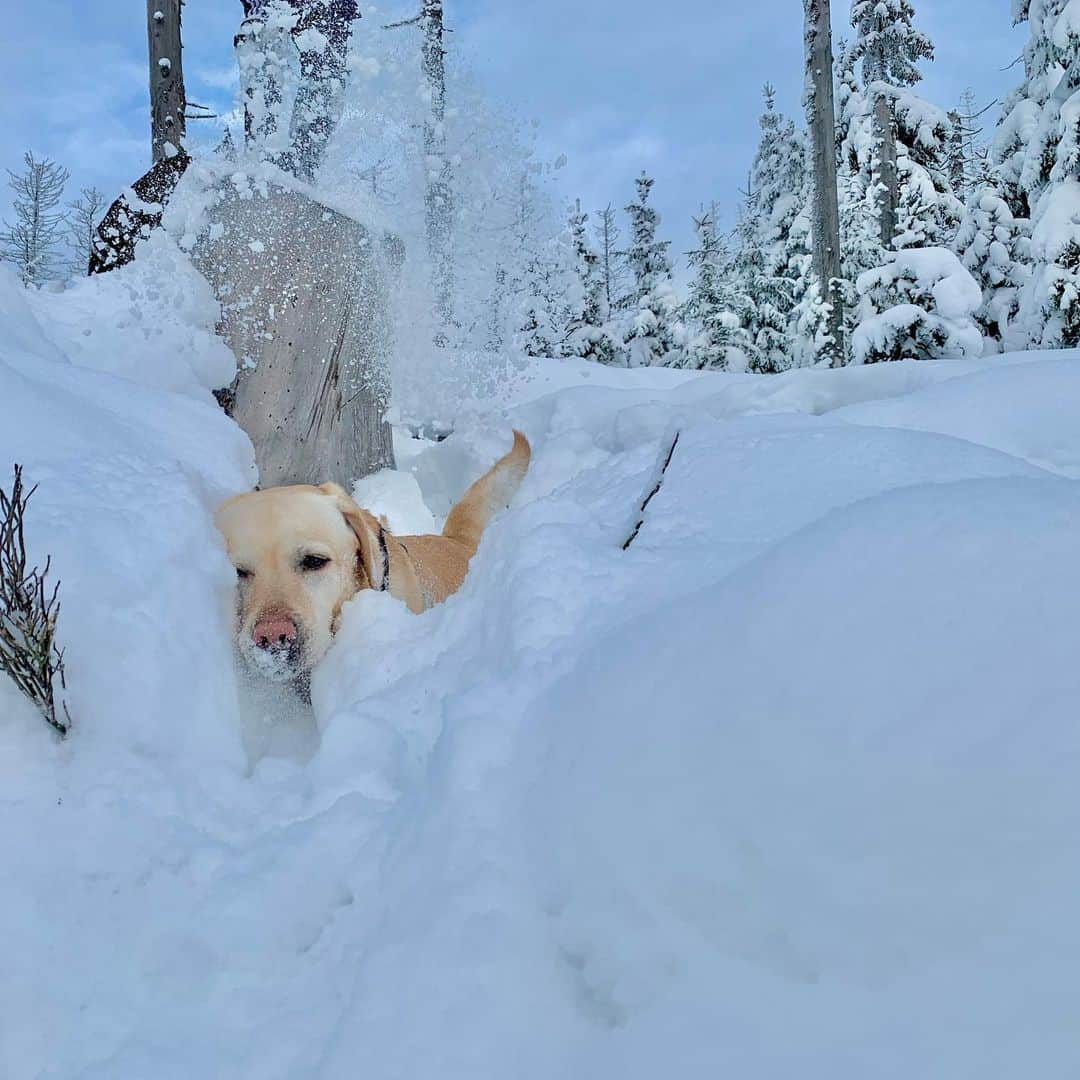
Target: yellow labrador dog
pixel 301 552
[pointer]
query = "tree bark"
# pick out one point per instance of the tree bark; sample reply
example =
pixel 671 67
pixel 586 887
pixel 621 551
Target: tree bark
pixel 271 34
pixel 888 179
pixel 305 311
pixel 439 196
pixel 135 214
pixel 821 118
pixel 167 100
pixel 322 80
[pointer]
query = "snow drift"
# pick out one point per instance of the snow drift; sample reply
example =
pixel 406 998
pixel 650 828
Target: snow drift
pixel 787 788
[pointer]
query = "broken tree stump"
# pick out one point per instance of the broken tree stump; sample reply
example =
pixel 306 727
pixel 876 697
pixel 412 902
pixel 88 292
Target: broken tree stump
pixel 304 309
pixel 135 214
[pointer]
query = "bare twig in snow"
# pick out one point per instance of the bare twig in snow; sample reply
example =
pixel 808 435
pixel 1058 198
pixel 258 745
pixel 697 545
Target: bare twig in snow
pixel 28 615
pixel 652 494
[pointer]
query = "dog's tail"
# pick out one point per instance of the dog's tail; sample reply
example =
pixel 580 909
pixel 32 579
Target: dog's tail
pixel 490 494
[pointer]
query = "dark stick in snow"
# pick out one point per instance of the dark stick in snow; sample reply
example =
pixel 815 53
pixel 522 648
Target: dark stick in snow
pixel 655 491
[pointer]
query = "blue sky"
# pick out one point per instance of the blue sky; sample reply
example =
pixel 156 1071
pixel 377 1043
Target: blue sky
pixel 615 85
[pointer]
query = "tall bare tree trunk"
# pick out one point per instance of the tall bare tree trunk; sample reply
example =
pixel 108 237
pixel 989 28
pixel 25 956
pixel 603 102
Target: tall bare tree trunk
pixel 440 196
pixel 439 190
pixel 888 179
pixel 322 80
pixel 821 118
pixel 127 222
pixel 264 48
pixel 607 234
pixel 167 100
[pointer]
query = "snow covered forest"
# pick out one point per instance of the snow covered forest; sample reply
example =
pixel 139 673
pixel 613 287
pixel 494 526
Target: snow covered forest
pixel 748 746
pixel 955 232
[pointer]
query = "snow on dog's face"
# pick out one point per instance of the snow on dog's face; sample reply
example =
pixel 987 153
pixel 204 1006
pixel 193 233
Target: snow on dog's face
pixel 298 559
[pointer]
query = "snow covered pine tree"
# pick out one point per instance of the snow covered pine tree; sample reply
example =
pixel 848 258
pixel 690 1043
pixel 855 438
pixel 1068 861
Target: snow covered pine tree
pixel 720 344
pixel 916 307
pixel 994 246
pixel 860 231
pixel 920 304
pixel 650 340
pixel 780 308
pixel 759 301
pixel 992 241
pixel 1037 157
pixel 917 207
pixel 587 331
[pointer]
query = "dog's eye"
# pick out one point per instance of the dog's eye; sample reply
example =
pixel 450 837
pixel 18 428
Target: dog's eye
pixel 243 574
pixel 314 562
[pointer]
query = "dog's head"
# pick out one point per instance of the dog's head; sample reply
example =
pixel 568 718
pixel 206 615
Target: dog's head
pixel 300 553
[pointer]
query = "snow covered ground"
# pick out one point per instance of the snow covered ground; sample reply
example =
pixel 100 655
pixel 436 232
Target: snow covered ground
pixel 787 789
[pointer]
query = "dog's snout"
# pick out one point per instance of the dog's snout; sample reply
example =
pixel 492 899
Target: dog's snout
pixel 274 632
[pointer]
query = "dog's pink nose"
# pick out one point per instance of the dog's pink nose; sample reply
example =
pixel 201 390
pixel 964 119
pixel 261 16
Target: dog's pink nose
pixel 275 631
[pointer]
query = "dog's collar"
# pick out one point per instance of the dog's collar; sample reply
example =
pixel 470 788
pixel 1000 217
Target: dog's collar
pixel 385 555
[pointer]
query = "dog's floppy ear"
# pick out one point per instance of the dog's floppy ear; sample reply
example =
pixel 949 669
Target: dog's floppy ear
pixel 372 562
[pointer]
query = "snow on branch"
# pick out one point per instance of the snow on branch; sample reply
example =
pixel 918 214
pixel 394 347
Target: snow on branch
pixel 918 306
pixel 28 615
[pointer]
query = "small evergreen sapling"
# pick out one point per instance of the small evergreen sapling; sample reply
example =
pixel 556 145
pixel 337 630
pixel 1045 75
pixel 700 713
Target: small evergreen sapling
pixel 761 301
pixel 651 338
pixel 788 327
pixel 994 247
pixel 546 302
pixel 587 333
pixel 720 343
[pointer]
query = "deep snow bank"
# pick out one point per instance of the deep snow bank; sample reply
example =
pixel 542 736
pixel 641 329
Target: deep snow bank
pixel 788 788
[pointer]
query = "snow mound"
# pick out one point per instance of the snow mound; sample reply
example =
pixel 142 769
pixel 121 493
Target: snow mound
pixel 788 787
pixel 396 496
pixel 1023 411
pixel 817 813
pixel 153 323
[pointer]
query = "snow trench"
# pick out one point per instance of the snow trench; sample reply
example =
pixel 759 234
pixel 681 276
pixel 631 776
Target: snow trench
pixel 788 788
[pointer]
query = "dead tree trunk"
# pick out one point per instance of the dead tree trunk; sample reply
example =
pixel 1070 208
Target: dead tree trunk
pixel 168 103
pixel 439 201
pixel 304 309
pixel 888 178
pixel 322 79
pixel 263 51
pixel 137 211
pixel 439 189
pixel 821 118
pixel 272 33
